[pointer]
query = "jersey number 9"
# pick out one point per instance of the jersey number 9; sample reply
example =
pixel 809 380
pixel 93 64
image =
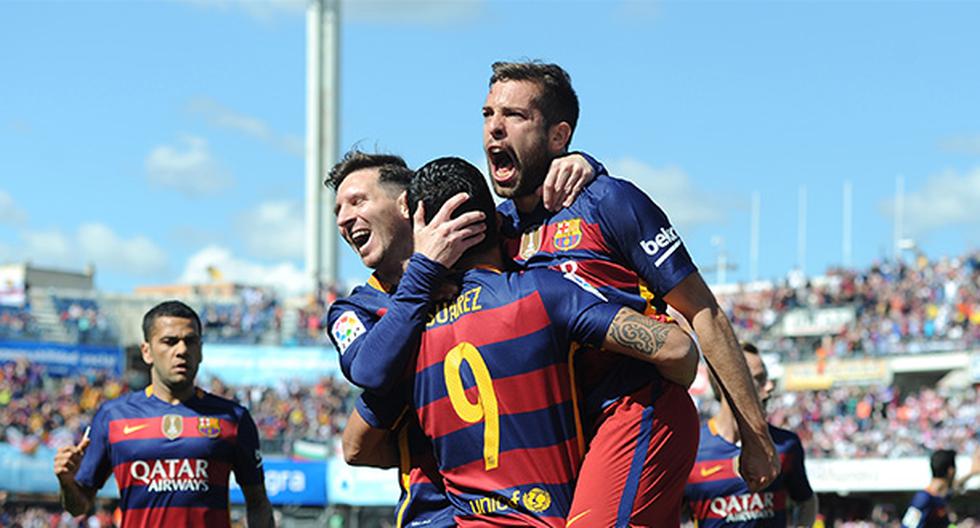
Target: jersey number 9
pixel 485 408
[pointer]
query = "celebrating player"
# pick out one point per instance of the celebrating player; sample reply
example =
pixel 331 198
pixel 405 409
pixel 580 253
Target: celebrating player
pixel 718 497
pixel 372 216
pixel 493 385
pixel 615 238
pixel 929 507
pixel 171 446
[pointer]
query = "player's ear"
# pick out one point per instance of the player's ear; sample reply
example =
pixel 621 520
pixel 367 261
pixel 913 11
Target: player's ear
pixel 145 352
pixel 403 205
pixel 558 136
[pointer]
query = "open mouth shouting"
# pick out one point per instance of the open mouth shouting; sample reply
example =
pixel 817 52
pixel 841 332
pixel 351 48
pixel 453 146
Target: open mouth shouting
pixel 503 165
pixel 358 238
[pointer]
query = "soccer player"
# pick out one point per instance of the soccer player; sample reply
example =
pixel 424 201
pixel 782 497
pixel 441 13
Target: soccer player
pixel 616 239
pixel 372 216
pixel 929 507
pixel 171 446
pixel 493 385
pixel 715 494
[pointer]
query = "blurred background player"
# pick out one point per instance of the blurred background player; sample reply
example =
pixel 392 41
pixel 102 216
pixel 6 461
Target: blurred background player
pixel 715 494
pixel 929 507
pixel 372 217
pixel 493 387
pixel 616 239
pixel 171 446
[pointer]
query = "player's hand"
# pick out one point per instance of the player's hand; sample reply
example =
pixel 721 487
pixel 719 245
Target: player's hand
pixel 445 239
pixel 67 460
pixel 566 178
pixel 759 463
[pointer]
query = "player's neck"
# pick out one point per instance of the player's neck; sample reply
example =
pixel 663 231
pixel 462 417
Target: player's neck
pixel 527 204
pixel 938 487
pixel 490 258
pixel 725 424
pixel 171 395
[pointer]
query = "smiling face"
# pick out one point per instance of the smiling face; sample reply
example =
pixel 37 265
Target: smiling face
pixel 518 143
pixel 373 219
pixel 173 353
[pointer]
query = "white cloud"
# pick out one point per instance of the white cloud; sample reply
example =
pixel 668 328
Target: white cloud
pixel 224 117
pixel 672 189
pixel 274 230
pixel 10 212
pixel 284 276
pixel 950 197
pixel 430 12
pixel 188 168
pixel 98 244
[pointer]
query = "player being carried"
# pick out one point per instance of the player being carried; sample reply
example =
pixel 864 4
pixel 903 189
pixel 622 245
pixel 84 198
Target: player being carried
pixel 171 446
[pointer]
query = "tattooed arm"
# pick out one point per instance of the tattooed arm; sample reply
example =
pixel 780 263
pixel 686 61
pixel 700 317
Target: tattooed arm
pixel 665 345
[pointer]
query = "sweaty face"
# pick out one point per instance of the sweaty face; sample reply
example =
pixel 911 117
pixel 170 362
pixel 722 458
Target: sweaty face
pixel 760 376
pixel 371 221
pixel 515 139
pixel 173 352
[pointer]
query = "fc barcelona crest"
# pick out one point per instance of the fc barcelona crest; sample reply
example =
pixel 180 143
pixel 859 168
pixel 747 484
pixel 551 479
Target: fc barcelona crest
pixel 172 425
pixel 530 243
pixel 568 234
pixel 209 427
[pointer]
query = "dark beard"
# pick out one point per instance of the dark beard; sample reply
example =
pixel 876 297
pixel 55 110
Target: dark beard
pixel 533 172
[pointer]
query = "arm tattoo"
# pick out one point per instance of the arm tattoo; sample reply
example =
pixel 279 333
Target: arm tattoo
pixel 638 332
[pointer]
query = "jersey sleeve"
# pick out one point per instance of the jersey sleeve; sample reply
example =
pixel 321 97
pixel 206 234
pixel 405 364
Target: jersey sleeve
pixel 248 456
pixel 642 235
pixel 381 412
pixel 575 306
pixel 96 463
pixel 796 480
pixel 374 351
pixel 918 512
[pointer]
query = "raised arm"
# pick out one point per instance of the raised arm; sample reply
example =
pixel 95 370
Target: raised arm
pixel 566 178
pixel 665 345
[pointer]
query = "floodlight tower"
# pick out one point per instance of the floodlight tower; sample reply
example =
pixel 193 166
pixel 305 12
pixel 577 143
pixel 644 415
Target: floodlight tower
pixel 322 136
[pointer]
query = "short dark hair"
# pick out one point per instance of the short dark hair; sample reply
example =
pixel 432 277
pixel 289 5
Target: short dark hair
pixel 940 462
pixel 169 309
pixel 392 169
pixel 557 101
pixel 439 180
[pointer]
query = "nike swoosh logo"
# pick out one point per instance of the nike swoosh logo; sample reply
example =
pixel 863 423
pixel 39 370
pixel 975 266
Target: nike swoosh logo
pixel 577 517
pixel 132 429
pixel 711 471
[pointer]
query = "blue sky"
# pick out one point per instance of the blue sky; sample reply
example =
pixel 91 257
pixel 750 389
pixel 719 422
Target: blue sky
pixel 154 139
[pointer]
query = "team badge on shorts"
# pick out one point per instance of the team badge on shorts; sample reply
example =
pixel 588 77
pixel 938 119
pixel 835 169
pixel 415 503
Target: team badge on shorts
pixel 346 329
pixel 536 500
pixel 209 427
pixel 530 243
pixel 568 234
pixel 172 425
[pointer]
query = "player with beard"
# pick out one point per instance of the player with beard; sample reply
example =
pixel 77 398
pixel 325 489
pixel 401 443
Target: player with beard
pixel 376 328
pixel 614 238
pixel 171 446
pixel 717 497
pixel 930 507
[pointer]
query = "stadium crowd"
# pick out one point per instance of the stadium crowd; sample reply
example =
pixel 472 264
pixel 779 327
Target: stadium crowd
pixel 37 409
pixel 875 422
pixel 899 307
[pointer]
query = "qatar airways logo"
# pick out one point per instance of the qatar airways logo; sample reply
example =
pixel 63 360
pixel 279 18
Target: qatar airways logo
pixel 667 240
pixel 172 474
pixel 745 507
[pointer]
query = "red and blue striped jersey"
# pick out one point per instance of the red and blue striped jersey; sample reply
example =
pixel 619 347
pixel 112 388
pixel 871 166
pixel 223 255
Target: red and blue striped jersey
pixel 718 497
pixel 172 462
pixel 423 499
pixel 494 391
pixel 926 511
pixel 614 238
